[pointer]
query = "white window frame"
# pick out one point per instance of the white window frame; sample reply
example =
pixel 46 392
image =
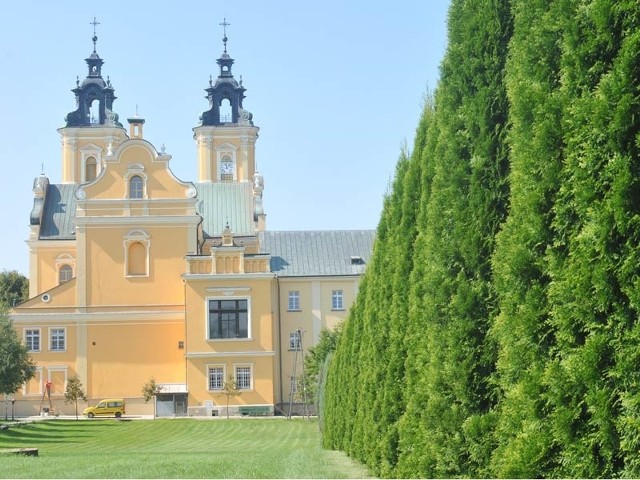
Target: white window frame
pixel 65 259
pixel 235 376
pixel 91 151
pixel 295 342
pixel 64 339
pixel 208 321
pixel 60 269
pixel 293 304
pixel 136 190
pixel 85 168
pixel 39 336
pixel 224 376
pixel 337 300
pixel 135 170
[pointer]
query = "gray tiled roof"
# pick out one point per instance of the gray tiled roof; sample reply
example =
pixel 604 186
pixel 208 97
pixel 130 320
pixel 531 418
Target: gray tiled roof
pixel 318 253
pixel 58 214
pixel 219 203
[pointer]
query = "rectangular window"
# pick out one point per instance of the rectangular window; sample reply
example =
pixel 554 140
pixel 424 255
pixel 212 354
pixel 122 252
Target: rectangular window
pixel 336 300
pixel 294 341
pixel 228 319
pixel 32 339
pixel 294 300
pixel 216 378
pixel 57 338
pixel 243 377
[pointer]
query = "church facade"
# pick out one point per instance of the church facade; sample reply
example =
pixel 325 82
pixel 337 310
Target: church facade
pixel 136 275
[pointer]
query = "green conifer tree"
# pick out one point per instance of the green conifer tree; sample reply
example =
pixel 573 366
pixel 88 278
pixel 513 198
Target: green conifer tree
pixel 521 328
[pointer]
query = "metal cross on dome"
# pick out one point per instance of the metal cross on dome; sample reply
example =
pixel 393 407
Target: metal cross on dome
pixel 95 39
pixel 224 25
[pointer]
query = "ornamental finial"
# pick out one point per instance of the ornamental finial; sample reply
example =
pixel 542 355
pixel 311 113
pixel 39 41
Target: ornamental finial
pixel 95 38
pixel 224 24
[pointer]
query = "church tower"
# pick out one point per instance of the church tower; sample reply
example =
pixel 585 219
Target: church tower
pixel 92 130
pixel 226 137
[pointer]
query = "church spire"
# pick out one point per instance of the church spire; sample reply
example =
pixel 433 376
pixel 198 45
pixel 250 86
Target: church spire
pixel 225 92
pixel 94 97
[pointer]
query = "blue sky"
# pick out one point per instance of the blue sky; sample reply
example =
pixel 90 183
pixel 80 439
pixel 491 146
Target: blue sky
pixel 336 88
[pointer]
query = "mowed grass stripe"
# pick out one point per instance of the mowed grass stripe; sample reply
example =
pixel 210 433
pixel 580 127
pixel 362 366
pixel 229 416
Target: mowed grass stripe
pixel 220 448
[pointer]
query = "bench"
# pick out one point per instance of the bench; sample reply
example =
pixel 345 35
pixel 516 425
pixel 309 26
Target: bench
pixel 30 452
pixel 254 411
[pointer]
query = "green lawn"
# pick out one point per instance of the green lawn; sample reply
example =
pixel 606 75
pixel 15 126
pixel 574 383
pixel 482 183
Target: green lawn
pixel 181 448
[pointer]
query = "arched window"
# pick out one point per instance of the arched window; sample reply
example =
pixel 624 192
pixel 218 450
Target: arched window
pixel 65 274
pixel 136 187
pixel 94 112
pixel 225 111
pixel 91 169
pixel 137 245
pixel 137 259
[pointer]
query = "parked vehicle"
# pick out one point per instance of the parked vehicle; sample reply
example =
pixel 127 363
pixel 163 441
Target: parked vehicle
pixel 108 406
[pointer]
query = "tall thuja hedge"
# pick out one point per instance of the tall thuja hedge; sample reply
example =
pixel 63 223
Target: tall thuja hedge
pixel 568 263
pixel 363 391
pixel 446 426
pixel 374 318
pixel 522 328
pixel 390 404
pixel 592 378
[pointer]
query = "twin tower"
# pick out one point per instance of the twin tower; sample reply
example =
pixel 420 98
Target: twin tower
pixel 225 138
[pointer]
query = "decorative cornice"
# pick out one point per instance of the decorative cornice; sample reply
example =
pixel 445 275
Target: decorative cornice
pixel 228 290
pixel 160 220
pixel 229 354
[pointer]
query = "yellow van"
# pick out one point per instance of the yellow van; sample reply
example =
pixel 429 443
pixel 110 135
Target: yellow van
pixel 108 406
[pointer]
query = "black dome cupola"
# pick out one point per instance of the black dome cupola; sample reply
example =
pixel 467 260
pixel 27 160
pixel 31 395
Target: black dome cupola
pixel 94 97
pixel 227 93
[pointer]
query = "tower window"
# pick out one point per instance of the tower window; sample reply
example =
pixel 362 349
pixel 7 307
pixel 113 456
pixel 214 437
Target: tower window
pixel 91 169
pixel 94 112
pixel 65 274
pixel 225 111
pixel 136 187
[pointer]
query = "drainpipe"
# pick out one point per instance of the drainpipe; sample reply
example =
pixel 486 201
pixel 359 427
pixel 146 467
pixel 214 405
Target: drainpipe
pixel 279 338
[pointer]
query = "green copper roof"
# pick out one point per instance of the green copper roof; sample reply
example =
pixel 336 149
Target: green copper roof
pixel 222 203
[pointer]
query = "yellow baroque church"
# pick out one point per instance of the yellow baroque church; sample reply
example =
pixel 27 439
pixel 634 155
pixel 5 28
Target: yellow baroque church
pixel 136 275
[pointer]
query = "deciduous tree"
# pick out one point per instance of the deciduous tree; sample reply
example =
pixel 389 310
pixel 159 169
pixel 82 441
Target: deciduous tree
pixel 14 288
pixel 230 389
pixel 16 365
pixel 74 392
pixel 150 390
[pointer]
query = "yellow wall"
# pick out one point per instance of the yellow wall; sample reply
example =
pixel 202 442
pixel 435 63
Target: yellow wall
pixel 49 260
pixel 145 350
pixel 107 282
pixel 258 350
pixel 315 314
